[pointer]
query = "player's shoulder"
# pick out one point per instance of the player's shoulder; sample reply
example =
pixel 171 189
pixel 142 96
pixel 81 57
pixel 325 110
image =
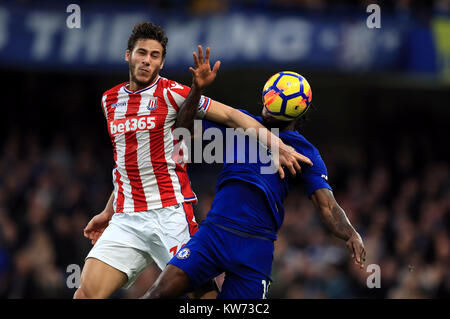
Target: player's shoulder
pixel 114 89
pixel 298 141
pixel 171 84
pixel 164 82
pixel 295 136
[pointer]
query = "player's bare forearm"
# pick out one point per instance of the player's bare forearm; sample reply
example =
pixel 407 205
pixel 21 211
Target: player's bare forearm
pixel 332 215
pixel 99 222
pixel 337 222
pixel 231 117
pixel 109 209
pixel 188 110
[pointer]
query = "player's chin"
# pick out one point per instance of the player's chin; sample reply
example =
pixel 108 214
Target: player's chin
pixel 142 80
pixel 143 77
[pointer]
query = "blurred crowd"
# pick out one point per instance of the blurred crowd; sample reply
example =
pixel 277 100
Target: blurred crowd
pixel 50 189
pixel 404 228
pixel 47 196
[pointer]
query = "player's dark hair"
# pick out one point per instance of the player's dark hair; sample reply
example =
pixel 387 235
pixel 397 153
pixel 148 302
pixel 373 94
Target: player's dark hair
pixel 302 120
pixel 148 30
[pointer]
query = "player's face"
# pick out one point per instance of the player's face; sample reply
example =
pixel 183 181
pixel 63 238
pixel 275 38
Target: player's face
pixel 146 60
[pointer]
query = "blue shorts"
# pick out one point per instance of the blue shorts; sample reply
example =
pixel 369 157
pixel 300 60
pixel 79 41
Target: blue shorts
pixel 245 259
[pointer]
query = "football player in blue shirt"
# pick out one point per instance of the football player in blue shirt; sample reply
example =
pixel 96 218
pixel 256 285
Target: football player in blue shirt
pixel 237 237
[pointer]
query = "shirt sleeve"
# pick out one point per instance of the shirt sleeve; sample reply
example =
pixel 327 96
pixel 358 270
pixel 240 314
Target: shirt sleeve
pixel 203 107
pixel 316 176
pixel 177 93
pixel 103 103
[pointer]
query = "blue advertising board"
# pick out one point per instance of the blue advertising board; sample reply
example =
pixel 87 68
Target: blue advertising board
pixel 41 38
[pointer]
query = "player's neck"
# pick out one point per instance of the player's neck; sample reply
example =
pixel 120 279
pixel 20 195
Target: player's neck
pixel 290 127
pixel 136 86
pixel 281 127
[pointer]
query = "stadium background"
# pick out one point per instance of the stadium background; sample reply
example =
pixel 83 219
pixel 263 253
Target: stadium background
pixel 380 121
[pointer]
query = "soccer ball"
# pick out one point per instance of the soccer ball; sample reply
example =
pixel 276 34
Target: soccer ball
pixel 287 95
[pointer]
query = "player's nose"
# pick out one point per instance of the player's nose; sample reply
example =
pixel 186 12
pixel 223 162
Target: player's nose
pixel 146 60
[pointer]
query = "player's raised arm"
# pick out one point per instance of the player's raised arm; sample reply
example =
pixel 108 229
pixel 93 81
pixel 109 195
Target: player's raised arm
pixel 333 216
pixel 202 76
pixel 228 116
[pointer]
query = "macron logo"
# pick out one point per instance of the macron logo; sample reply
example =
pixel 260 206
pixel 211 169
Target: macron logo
pixel 325 177
pixel 175 85
pixel 118 104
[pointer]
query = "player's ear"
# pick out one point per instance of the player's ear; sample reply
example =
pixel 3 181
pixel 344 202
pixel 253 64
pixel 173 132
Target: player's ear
pixel 162 65
pixel 127 55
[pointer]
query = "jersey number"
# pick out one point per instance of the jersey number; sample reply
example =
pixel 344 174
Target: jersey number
pixel 266 286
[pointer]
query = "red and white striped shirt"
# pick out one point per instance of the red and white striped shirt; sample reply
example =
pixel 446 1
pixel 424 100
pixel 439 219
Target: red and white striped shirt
pixel 140 125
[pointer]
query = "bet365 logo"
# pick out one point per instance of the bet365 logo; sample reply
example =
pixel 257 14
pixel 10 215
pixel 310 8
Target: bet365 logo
pixel 133 124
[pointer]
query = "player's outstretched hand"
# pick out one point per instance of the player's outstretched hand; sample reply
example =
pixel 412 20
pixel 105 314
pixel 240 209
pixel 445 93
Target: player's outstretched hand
pixel 202 74
pixel 357 250
pixel 96 226
pixel 290 159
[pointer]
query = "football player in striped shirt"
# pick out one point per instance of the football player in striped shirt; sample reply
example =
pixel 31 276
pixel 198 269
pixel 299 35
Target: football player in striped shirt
pixel 149 214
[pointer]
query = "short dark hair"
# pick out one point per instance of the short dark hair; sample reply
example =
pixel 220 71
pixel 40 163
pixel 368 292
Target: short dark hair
pixel 148 30
pixel 302 120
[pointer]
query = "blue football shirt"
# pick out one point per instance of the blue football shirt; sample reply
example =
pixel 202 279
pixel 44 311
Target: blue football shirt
pixel 248 200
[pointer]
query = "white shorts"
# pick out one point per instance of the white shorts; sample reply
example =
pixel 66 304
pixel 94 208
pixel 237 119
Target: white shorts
pixel 132 241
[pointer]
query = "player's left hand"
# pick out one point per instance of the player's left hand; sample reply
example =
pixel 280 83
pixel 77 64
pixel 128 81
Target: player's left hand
pixel 357 249
pixel 290 159
pixel 202 74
